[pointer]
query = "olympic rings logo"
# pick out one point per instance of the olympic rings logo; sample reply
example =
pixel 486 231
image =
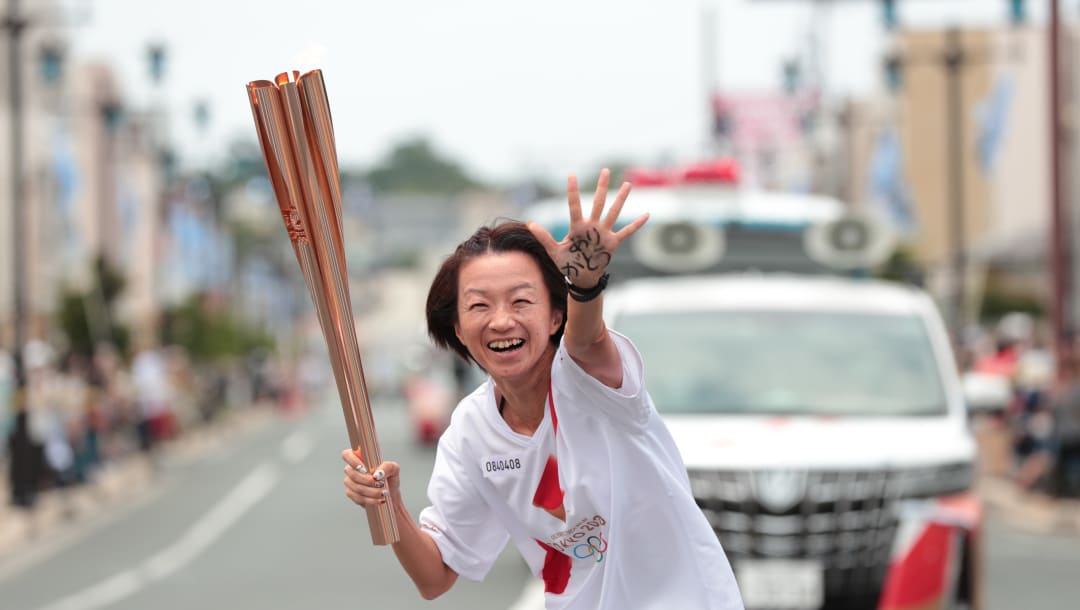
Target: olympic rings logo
pixel 594 546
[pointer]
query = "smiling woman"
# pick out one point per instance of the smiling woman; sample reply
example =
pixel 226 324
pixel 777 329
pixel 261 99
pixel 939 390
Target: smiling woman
pixel 560 450
pixel 471 289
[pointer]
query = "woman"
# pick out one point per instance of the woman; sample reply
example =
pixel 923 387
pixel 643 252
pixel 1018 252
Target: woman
pixel 562 450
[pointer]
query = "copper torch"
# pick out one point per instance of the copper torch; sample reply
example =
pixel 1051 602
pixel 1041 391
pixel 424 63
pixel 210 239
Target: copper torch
pixel 292 118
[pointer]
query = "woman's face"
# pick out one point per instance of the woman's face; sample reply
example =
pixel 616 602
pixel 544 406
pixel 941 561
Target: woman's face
pixel 504 314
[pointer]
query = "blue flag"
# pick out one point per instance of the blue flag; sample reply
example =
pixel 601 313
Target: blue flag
pixel 993 115
pixel 888 189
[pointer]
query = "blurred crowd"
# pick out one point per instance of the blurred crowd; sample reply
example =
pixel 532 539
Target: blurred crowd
pixel 1034 435
pixel 79 414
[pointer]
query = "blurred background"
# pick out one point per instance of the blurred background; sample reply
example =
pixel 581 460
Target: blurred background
pixel 158 344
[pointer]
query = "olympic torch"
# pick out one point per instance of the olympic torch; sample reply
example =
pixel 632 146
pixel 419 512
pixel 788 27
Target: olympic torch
pixel 292 118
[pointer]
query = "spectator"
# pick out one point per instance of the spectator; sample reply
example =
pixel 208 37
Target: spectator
pixel 46 398
pixel 69 393
pixel 114 405
pixel 153 394
pixel 7 390
pixel 1066 433
pixel 25 462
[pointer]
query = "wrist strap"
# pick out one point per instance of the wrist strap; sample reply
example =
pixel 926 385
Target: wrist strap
pixel 584 295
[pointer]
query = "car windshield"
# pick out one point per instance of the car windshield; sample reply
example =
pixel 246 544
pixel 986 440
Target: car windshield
pixel 790 363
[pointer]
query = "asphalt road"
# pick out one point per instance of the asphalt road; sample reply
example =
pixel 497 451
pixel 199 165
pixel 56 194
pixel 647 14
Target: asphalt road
pixel 1028 571
pixel 261 521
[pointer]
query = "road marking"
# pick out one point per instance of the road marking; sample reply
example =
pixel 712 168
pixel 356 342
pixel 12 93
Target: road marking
pixel 207 530
pixel 296 447
pixel 105 593
pixel 200 536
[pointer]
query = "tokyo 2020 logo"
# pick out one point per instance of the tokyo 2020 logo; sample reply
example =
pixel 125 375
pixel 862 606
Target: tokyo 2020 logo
pixel 594 546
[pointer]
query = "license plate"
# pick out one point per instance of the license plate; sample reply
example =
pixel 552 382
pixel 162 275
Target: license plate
pixel 781 584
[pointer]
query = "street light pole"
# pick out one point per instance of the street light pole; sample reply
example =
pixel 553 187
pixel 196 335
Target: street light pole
pixel 15 24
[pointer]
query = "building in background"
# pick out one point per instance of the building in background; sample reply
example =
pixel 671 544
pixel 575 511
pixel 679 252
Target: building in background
pixel 898 150
pixel 92 189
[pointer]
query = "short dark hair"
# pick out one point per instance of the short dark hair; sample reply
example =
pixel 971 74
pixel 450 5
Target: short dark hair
pixel 508 236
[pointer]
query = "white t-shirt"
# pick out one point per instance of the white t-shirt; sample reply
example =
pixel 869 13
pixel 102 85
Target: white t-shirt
pixel 597 501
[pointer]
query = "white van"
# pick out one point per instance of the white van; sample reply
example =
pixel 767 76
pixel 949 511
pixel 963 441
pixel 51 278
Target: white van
pixel 823 428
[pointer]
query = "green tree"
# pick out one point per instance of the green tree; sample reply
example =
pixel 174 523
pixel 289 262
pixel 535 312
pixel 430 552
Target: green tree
pixel 413 166
pixel 208 332
pixel 902 267
pixel 88 317
pixel 999 300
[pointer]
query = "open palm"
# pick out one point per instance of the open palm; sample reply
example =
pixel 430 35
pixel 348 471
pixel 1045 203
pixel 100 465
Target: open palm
pixel 584 254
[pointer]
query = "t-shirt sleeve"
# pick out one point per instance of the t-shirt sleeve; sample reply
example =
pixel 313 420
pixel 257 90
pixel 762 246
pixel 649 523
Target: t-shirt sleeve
pixel 629 404
pixel 460 520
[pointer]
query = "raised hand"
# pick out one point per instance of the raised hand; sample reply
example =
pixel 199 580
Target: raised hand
pixel 584 254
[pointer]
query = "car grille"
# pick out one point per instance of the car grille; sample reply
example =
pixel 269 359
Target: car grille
pixel 847 520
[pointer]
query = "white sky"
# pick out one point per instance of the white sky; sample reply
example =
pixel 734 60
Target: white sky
pixel 507 87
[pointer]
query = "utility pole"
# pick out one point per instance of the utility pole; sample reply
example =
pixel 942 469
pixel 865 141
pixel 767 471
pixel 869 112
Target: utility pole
pixel 14 25
pixel 1058 255
pixel 953 60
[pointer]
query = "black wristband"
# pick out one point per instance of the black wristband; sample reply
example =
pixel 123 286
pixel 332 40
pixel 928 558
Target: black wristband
pixel 584 295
